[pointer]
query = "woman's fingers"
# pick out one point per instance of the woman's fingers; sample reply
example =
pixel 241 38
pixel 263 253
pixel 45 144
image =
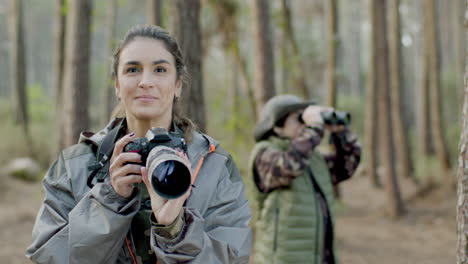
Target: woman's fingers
pixel 129 180
pixel 123 158
pixel 121 143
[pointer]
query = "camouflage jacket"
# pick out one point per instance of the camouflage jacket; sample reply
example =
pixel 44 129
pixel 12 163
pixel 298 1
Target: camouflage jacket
pixel 277 169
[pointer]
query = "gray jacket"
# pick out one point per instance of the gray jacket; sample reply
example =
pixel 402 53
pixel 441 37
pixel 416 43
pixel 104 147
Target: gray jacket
pixel 77 224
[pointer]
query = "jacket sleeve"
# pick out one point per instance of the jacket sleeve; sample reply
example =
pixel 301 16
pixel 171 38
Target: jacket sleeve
pixel 345 158
pixel 91 230
pixel 221 235
pixel 276 168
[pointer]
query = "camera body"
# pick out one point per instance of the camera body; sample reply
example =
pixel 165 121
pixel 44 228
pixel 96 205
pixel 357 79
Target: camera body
pixel 169 174
pixel 153 138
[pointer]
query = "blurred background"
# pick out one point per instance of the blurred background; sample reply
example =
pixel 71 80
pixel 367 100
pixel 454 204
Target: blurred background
pixel 396 65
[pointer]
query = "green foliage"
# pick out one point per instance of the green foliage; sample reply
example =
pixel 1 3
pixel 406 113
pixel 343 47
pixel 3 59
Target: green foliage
pixel 39 104
pixel 65 8
pixel 41 129
pixel 355 106
pixel 26 176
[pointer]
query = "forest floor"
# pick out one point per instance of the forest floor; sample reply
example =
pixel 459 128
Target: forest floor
pixel 426 234
pixel 365 235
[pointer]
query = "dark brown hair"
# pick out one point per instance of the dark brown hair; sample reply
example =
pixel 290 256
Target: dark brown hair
pixel 170 43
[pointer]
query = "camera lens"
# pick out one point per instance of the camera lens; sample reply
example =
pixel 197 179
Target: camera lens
pixel 170 179
pixel 170 176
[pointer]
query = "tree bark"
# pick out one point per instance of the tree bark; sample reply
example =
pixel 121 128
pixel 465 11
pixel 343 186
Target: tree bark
pixel 154 12
pixel 423 115
pixel 188 33
pixel 434 86
pixel 264 56
pixel 76 79
pixel 403 156
pixel 385 139
pixel 300 75
pixel 109 92
pixel 59 58
pixel 371 119
pixel 331 54
pixel 18 64
pixel 462 173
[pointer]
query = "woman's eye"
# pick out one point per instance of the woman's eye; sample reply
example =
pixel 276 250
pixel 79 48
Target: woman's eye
pixel 131 70
pixel 160 69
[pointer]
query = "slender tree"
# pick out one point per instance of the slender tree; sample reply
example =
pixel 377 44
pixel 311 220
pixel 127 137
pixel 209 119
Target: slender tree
pixel 18 64
pixel 331 54
pixel 371 105
pixel 154 12
pixel 59 58
pixel 300 82
pixel 76 79
pixel 425 147
pixel 385 138
pixel 434 84
pixel 264 57
pixel 109 92
pixel 462 205
pixel 188 32
pixel 402 149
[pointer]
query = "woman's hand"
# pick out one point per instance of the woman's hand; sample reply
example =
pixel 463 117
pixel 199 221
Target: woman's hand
pixel 165 211
pixel 122 173
pixel 313 114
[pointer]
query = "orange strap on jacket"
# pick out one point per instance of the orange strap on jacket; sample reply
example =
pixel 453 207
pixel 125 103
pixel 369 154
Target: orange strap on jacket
pixel 195 174
pixel 200 163
pixel 130 250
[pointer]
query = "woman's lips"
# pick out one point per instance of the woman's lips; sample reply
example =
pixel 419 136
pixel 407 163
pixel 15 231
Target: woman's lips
pixel 146 98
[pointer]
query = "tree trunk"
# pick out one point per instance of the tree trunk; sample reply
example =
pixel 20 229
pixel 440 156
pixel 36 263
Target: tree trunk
pixel 423 114
pixel 59 58
pixel 264 57
pixel 154 12
pixel 300 75
pixel 434 86
pixel 403 155
pixel 458 7
pixel 352 51
pixel 371 119
pixel 18 64
pixel 188 33
pixel 109 92
pixel 331 54
pixel 76 79
pixel 395 205
pixel 462 205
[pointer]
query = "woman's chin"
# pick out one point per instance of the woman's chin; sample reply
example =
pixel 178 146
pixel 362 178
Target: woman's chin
pixel 145 116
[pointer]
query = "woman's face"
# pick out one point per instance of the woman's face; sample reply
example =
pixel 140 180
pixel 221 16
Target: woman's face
pixel 292 126
pixel 146 80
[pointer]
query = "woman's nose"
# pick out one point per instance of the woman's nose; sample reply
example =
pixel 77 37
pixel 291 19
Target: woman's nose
pixel 146 81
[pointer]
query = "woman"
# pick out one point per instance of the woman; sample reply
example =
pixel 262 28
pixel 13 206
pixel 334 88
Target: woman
pixel 294 181
pixel 112 221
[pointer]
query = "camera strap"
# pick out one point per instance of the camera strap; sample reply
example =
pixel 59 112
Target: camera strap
pixel 104 152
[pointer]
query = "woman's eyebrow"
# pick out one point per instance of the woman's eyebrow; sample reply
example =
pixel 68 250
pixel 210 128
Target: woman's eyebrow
pixel 132 63
pixel 160 62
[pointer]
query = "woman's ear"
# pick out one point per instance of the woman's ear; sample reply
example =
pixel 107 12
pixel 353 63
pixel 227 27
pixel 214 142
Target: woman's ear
pixel 178 88
pixel 278 130
pixel 117 89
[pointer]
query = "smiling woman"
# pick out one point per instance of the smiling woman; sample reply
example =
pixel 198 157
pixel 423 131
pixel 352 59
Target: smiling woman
pixel 118 211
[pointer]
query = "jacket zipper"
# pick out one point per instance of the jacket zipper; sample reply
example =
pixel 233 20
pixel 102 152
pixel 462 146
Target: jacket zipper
pixel 275 234
pixel 317 220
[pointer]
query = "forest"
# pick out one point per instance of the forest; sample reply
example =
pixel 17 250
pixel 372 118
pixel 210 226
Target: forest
pixel 397 66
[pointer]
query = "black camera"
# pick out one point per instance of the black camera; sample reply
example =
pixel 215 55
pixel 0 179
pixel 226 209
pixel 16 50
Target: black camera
pixel 336 118
pixel 169 174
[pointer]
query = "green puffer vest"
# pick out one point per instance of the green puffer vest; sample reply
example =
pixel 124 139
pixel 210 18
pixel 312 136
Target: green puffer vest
pixel 290 223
